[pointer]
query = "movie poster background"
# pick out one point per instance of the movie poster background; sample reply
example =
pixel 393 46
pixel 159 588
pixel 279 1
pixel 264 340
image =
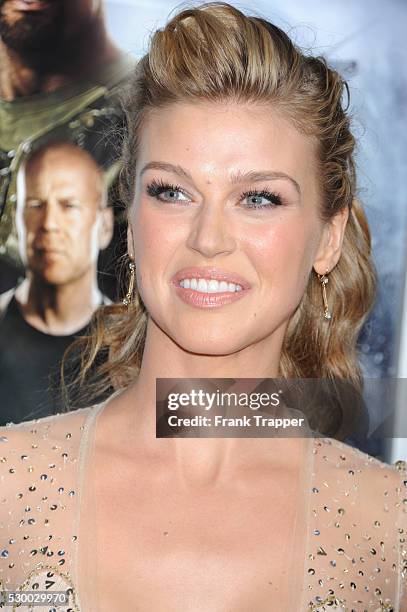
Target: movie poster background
pixel 365 41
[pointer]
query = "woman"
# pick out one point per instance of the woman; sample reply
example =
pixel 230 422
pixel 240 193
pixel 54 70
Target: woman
pixel 238 169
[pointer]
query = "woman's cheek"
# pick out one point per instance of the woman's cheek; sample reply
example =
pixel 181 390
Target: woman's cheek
pixel 281 259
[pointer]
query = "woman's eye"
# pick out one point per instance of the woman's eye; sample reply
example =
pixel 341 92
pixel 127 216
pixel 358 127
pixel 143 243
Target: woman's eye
pixel 167 193
pixel 173 195
pixel 257 200
pixel 261 199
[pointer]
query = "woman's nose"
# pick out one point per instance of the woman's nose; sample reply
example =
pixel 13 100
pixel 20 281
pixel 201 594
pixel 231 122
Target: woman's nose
pixel 210 233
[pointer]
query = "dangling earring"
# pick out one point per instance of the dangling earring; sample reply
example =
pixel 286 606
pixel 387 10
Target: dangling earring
pixel 323 279
pixel 129 295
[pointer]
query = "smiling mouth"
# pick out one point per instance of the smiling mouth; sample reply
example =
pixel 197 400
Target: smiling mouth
pixel 203 285
pixel 209 287
pixel 201 297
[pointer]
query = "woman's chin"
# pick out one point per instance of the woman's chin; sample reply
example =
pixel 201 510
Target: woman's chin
pixel 200 344
pixel 209 340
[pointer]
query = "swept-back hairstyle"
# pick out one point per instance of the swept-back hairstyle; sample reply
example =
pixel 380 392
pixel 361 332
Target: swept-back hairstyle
pixel 214 52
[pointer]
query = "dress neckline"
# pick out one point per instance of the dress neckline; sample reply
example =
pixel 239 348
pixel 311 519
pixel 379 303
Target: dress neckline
pixel 301 535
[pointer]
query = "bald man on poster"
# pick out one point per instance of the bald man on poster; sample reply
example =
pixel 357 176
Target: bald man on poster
pixel 63 221
pixel 60 78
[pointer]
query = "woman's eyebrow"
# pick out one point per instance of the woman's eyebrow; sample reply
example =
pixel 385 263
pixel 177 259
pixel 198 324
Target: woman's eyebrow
pixel 238 177
pixel 264 175
pixel 156 165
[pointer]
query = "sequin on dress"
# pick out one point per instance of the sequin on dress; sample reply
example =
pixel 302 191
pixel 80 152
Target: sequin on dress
pixel 351 553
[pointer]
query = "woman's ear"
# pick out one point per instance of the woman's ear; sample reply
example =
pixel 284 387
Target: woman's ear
pixel 330 246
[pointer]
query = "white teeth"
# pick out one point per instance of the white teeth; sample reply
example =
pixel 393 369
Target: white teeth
pixel 202 285
pixel 209 286
pixel 213 286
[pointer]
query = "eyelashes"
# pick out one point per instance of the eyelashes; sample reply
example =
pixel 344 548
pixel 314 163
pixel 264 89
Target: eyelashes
pixel 158 188
pixel 274 198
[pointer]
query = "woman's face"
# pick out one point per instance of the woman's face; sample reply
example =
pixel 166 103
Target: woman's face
pixel 225 224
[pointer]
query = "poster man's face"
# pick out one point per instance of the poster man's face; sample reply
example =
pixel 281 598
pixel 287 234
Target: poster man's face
pixel 41 26
pixel 62 224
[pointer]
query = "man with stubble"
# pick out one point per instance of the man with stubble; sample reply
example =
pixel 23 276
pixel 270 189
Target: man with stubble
pixel 59 78
pixel 46 44
pixel 63 222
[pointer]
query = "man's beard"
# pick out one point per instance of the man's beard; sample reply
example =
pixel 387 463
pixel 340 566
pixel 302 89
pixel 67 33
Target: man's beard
pixel 40 41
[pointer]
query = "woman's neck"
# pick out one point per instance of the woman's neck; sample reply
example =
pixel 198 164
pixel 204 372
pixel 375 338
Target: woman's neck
pixel 206 459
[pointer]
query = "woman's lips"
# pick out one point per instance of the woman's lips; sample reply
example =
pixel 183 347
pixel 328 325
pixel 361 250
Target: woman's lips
pixel 208 300
pixel 210 273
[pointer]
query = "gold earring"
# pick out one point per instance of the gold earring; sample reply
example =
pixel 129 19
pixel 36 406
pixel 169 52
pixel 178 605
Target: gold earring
pixel 129 295
pixel 323 279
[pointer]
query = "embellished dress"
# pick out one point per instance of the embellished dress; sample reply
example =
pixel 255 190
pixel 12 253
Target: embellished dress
pixel 349 550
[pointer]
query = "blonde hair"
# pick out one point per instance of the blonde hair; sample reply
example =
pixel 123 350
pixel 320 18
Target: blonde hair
pixel 214 52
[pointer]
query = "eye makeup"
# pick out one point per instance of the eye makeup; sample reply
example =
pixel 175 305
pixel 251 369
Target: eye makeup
pixel 158 188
